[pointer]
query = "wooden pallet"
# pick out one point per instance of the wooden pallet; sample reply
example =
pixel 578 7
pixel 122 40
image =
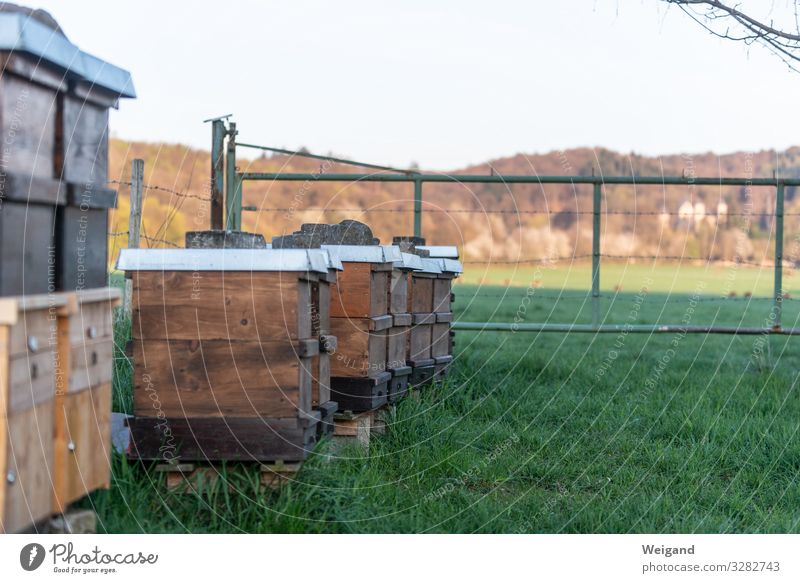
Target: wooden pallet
pixel 188 478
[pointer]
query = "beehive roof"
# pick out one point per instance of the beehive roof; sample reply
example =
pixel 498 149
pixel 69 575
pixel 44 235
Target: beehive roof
pixel 317 260
pixel 22 33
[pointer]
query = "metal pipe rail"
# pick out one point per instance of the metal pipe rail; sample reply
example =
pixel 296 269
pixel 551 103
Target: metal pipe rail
pixel 389 174
pixel 617 328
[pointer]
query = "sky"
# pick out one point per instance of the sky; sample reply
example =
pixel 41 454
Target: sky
pixel 440 84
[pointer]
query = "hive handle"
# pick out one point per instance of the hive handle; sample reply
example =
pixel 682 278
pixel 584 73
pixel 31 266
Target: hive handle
pixel 327 343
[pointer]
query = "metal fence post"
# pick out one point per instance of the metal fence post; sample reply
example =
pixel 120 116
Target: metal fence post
pixel 778 256
pixel 217 172
pixel 596 202
pixel 233 198
pixel 417 207
pixel 134 224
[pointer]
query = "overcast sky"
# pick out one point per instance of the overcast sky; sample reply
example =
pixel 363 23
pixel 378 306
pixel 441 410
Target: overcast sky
pixel 444 84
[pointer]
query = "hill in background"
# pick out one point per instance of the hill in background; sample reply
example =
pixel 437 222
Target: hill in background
pixel 489 220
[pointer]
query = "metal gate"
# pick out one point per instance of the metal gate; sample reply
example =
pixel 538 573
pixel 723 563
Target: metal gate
pixel 224 156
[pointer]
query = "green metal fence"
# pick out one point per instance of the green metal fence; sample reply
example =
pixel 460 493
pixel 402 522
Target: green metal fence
pixel 235 179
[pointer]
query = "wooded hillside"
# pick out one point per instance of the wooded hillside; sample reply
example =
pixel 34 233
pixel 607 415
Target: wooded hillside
pixel 489 221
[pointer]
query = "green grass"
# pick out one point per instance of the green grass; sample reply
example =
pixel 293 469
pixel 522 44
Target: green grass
pixel 545 432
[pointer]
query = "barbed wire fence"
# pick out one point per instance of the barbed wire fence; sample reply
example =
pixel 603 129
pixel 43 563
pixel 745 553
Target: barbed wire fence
pixel 510 292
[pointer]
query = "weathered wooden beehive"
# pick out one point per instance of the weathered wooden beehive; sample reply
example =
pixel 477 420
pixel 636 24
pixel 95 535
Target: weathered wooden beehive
pixel 397 335
pixel 230 350
pixel 423 318
pixel 82 449
pixel 360 319
pixel 54 102
pixel 441 333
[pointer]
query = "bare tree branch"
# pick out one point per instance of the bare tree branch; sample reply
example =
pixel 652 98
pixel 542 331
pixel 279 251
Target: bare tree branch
pixel 729 21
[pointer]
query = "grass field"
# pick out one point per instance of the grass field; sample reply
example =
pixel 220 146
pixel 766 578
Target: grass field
pixel 549 432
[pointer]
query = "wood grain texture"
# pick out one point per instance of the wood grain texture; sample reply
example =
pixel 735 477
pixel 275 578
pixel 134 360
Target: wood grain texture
pixel 91 320
pixel 29 459
pixel 350 295
pixel 232 438
pixel 216 378
pixel 440 339
pixel 83 420
pixel 420 294
pixel 81 240
pixel 92 363
pixel 379 292
pixel 396 342
pixel 398 292
pixel 84 141
pixel 26 234
pixel 181 305
pixel 32 380
pixel 36 326
pixel 441 294
pixel 28 124
pixel 360 352
pixel 419 342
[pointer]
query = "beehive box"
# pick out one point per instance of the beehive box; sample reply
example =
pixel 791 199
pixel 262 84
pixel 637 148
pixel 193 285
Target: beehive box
pixel 360 320
pixel 54 102
pixel 441 333
pixel 423 318
pixel 29 356
pixel 397 335
pixel 230 352
pixel 82 449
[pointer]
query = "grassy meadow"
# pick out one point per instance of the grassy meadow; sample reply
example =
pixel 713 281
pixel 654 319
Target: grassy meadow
pixel 547 432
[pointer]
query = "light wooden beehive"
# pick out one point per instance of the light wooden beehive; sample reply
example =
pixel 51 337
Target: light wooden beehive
pixel 82 451
pixel 55 402
pixel 230 351
pixel 421 306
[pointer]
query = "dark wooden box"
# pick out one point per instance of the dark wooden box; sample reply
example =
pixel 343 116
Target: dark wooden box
pixel 82 238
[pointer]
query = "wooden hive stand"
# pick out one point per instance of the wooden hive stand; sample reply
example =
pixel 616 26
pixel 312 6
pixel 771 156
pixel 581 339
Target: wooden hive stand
pixel 231 353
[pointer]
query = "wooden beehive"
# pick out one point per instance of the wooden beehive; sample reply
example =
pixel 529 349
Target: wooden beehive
pixel 441 333
pixel 82 449
pixel 360 320
pixel 230 352
pixel 397 335
pixel 423 318
pixel 54 102
pixel 29 362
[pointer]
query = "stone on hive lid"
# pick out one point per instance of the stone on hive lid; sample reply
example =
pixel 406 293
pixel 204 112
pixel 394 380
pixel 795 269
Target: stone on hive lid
pixel 411 244
pixel 314 235
pixel 218 239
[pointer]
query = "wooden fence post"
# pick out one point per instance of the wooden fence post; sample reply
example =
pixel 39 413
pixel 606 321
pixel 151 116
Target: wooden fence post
pixel 134 224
